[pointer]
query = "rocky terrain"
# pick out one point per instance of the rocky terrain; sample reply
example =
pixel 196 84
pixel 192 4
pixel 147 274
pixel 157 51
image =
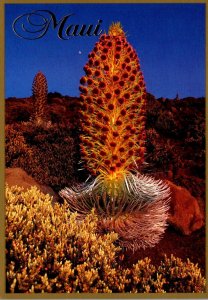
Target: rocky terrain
pixel 175 151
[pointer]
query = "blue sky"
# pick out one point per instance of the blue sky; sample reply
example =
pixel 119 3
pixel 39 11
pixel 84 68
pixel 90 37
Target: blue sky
pixel 169 40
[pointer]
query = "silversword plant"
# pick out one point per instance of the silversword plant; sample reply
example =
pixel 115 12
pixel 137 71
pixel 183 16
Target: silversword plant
pixel 40 94
pixel 112 114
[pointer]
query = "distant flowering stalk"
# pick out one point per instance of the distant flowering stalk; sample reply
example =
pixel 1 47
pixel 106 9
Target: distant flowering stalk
pixel 113 96
pixel 40 94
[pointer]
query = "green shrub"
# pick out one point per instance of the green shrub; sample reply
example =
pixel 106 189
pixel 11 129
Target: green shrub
pixel 160 152
pixel 15 144
pixel 49 155
pixel 48 249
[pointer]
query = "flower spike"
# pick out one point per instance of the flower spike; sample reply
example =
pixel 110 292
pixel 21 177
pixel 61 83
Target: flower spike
pixel 113 146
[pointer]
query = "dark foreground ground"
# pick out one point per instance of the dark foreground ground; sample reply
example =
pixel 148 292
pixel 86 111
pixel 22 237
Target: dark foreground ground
pixel 192 247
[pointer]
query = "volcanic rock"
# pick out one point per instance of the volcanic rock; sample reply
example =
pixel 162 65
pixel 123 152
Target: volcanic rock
pixel 17 176
pixel 185 213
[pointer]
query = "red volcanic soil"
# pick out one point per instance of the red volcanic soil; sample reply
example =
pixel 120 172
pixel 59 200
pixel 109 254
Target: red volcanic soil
pixel 175 151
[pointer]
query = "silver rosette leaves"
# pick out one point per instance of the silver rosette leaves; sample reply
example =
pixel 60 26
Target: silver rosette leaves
pixel 135 207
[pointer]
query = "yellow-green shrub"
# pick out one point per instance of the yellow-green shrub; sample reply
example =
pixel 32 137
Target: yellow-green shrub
pixel 50 250
pixel 181 276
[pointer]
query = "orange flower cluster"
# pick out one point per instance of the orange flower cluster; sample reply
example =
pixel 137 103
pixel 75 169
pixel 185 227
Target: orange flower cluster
pixel 113 96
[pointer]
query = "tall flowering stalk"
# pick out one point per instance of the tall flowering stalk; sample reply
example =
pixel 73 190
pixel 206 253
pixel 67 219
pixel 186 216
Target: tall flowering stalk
pixel 40 94
pixel 114 96
pixel 112 114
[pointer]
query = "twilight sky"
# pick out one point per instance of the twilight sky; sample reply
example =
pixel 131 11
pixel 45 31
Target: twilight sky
pixel 169 40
